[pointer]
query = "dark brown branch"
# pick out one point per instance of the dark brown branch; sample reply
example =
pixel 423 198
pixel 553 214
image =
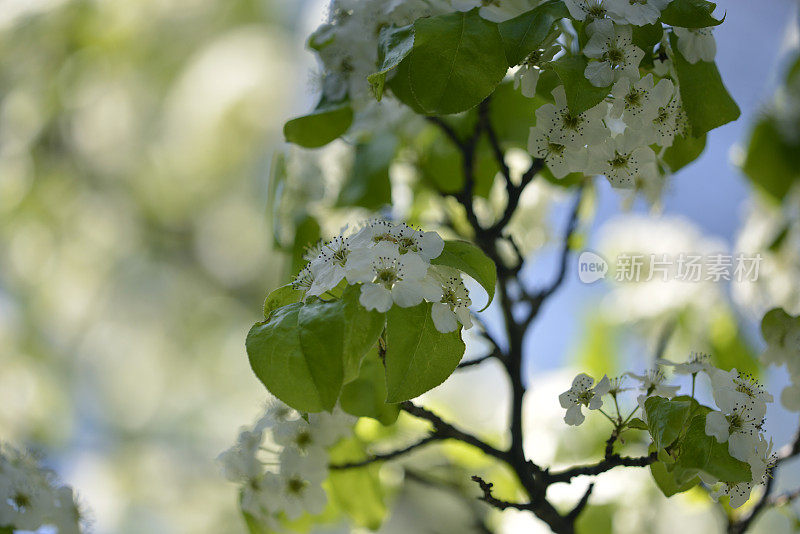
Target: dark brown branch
pixel 447 431
pixel 486 488
pixel 469 363
pixel 389 455
pixel 576 511
pixel 615 460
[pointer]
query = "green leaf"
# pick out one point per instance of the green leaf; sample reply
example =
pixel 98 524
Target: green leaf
pixel 689 14
pixel 581 94
pixel 368 184
pixel 466 257
pixel 366 395
pixel 277 181
pixel 512 115
pixel 356 491
pixel 319 127
pixel 638 424
pixel 362 328
pixel 775 324
pixel 705 100
pixel 666 419
pixel 440 164
pixel 418 357
pixel 665 480
pixel 306 233
pixel 683 151
pixel 303 352
pixel 457 60
pixel 704 453
pixel 394 44
pixel 648 36
pixel 282 296
pixel 525 33
pixel 771 163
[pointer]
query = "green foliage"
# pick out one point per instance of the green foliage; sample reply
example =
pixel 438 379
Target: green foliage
pixel 511 115
pixel 677 427
pixel 306 232
pixel 304 351
pixel 637 424
pixel 683 151
pixel 468 258
pixel 581 94
pixel 666 418
pixel 282 296
pixel 441 164
pixel 368 184
pixel 666 481
pixel 647 36
pixel 772 163
pixel 690 14
pixel 596 519
pixel 699 452
pixel 366 395
pixel 525 33
pixel 319 127
pixel 357 491
pixel 729 346
pixel 704 97
pixel 457 60
pixel 394 44
pixel 418 357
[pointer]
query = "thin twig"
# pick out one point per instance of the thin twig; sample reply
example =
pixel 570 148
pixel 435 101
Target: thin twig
pixel 486 488
pixel 447 431
pixel 389 455
pixel 604 465
pixel 469 363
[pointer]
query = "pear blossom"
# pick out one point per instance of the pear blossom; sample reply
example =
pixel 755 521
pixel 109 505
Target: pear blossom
pixel 652 383
pixel 31 497
pixel 668 123
pixel 327 268
pixel 454 307
pixel 761 466
pixel 697 362
pixel 624 160
pixel 612 46
pixel 550 145
pixel 636 12
pixel 240 462
pixel 527 76
pixel 390 277
pixel 640 100
pixel 586 9
pixel 740 427
pixel 318 433
pixel 733 388
pixel 428 245
pixel 583 394
pixel 696 44
pixel 297 488
pixel 577 130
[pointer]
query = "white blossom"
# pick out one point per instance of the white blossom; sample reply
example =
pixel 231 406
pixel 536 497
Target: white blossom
pixel 740 427
pixel 612 46
pixel 624 160
pixel 697 362
pixel 576 130
pixel 733 388
pixel 696 44
pixel 527 76
pixel 297 488
pixel 454 306
pixel 652 383
pixel 390 277
pixel 637 12
pixel 640 100
pixel 586 9
pixel 583 394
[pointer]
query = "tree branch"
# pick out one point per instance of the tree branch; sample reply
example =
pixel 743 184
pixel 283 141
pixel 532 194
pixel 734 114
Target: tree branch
pixel 615 460
pixel 447 431
pixel 389 455
pixel 486 488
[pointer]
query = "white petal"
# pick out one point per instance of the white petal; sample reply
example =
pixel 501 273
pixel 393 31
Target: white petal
pixel 375 297
pixel 443 318
pixel 717 426
pixel 574 415
pixel 406 293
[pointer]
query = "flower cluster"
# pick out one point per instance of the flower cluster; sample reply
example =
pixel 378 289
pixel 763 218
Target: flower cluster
pixel 738 421
pixel 615 137
pixel 281 462
pixel 392 263
pixel 782 334
pixel 31 497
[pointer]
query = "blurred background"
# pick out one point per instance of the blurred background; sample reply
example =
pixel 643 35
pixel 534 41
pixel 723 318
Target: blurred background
pixel 135 251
